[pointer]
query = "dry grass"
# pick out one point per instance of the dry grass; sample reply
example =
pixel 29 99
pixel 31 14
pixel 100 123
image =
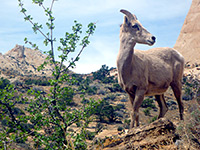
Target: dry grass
pixel 189 130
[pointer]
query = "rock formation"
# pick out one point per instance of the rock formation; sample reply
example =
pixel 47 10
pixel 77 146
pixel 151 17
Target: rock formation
pixel 17 52
pixel 22 61
pixel 188 42
pixel 157 135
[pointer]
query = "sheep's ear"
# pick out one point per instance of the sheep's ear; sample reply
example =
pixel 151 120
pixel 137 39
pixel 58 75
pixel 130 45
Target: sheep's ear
pixel 126 21
pixel 128 16
pixel 134 16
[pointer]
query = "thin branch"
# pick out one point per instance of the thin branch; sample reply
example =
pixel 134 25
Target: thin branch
pixel 54 119
pixel 43 7
pixel 5 146
pixel 52 5
pixel 51 31
pixel 21 5
pixel 76 56
pixel 51 114
pixel 18 123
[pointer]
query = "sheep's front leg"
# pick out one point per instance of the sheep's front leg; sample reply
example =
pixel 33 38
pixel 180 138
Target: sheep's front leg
pixel 131 98
pixel 139 97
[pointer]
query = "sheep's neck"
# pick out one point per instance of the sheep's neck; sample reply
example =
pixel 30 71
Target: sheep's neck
pixel 125 57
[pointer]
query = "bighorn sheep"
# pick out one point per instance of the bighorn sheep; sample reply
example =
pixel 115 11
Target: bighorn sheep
pixel 146 73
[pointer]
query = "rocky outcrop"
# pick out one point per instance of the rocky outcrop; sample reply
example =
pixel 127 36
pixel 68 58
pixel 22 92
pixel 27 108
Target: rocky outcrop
pixel 22 61
pixel 188 42
pixel 157 135
pixel 17 52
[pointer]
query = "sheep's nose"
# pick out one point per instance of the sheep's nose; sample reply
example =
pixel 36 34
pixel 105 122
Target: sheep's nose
pixel 153 38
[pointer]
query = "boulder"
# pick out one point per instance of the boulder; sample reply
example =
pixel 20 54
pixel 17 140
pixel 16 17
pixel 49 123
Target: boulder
pixel 157 135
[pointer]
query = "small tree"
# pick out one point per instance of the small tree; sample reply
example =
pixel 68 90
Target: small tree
pixel 105 111
pixel 103 75
pixel 85 86
pixel 50 113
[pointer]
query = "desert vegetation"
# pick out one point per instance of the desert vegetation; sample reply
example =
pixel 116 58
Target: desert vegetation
pixel 69 111
pixel 48 117
pixel 109 109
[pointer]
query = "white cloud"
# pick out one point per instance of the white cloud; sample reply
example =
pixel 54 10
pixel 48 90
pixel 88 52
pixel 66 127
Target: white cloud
pixel 86 67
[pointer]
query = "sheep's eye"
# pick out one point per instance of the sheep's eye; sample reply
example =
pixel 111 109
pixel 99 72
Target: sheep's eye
pixel 136 27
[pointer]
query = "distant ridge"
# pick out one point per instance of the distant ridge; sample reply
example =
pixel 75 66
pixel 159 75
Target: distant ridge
pixel 23 61
pixel 188 42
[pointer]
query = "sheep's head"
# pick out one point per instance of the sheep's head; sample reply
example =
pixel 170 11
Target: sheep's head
pixel 135 31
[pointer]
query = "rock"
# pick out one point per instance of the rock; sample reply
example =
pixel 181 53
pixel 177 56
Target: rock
pixel 198 93
pixel 157 135
pixel 173 107
pixel 186 97
pixel 170 103
pixel 188 42
pixel 124 100
pixel 179 143
pixel 119 114
pixel 23 61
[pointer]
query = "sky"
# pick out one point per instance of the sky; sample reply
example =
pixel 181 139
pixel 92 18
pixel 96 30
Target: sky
pixel 162 18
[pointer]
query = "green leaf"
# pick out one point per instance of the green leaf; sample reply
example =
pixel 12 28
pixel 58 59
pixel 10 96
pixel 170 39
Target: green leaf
pixel 23 10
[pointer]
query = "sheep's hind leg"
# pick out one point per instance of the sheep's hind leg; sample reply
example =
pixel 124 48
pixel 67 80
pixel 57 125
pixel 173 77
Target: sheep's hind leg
pixel 177 87
pixel 162 104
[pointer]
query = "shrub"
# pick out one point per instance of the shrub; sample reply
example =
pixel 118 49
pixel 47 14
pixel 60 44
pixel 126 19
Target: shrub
pixel 191 87
pixel 153 119
pixel 147 111
pixel 89 135
pixel 103 75
pixel 127 123
pixel 115 88
pixel 85 101
pixel 66 97
pixel 99 127
pixel 105 111
pixel 44 82
pixel 188 93
pixel 102 92
pixel 110 97
pixel 148 103
pixel 91 90
pixel 107 80
pixel 120 128
pixel 4 83
pixel 84 85
pixel 119 106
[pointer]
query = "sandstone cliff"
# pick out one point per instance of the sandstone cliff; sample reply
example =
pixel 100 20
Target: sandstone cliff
pixel 188 42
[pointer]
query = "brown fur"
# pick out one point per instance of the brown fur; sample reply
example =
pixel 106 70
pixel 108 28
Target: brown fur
pixel 145 73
